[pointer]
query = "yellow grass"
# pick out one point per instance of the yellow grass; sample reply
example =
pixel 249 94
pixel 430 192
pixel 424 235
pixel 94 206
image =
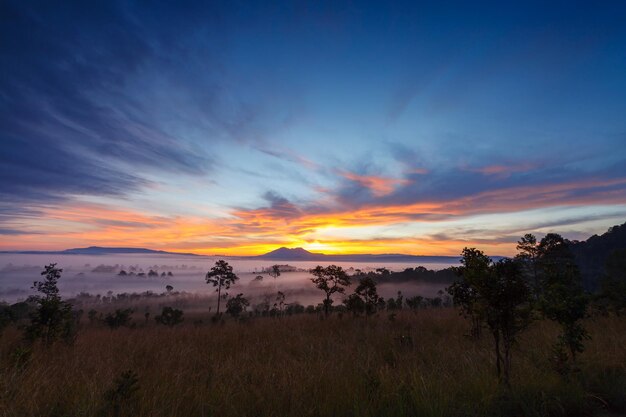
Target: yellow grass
pixel 304 366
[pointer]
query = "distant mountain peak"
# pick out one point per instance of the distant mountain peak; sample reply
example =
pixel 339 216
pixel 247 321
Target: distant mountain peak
pixel 290 253
pixel 286 250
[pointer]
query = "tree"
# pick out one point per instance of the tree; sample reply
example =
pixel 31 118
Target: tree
pixel 612 294
pixel 354 304
pixel 508 309
pixel 473 272
pixel 563 298
pixel 119 318
pixel 236 305
pixel 170 316
pixel 280 301
pixel 496 295
pixel 221 276
pixel 53 316
pixel 414 302
pixel 169 289
pixel 366 290
pixel 6 316
pixel 274 272
pixel 332 279
pixel 528 255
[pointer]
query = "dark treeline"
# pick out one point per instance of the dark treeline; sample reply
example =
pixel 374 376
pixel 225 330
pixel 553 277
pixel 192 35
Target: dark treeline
pixel 419 274
pixel 595 255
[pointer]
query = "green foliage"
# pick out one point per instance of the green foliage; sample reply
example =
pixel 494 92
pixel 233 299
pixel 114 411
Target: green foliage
pixel 562 297
pixel 170 316
pixel 496 295
pixel 52 318
pixel 474 271
pixel 365 298
pixel 221 276
pixel 6 316
pixel 121 399
pixel 237 305
pixel 368 293
pixel 120 318
pixel 354 304
pixel 414 302
pixel 331 279
pixel 612 296
pixel 528 254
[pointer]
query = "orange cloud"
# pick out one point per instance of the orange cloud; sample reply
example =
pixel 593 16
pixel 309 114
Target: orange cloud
pixel 379 186
pixel 254 231
pixel 503 170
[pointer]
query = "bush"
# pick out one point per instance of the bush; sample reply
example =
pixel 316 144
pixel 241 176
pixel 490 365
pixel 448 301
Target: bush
pixel 170 316
pixel 119 318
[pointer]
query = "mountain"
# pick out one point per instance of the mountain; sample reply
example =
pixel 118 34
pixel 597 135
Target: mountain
pixel 99 250
pixel 295 254
pixel 300 254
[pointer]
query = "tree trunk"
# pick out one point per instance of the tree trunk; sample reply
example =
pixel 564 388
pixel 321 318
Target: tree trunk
pixel 327 305
pixel 219 299
pixel 475 331
pixel 507 362
pixel 496 338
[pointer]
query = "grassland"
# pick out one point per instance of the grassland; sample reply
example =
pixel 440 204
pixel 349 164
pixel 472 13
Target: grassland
pixel 418 364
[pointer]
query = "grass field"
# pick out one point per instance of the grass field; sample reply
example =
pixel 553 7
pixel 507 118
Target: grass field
pixel 419 364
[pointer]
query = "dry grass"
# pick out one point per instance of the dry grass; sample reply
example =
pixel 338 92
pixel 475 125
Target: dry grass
pixel 304 366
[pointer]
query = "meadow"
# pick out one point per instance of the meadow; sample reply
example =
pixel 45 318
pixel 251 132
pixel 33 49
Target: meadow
pixel 410 363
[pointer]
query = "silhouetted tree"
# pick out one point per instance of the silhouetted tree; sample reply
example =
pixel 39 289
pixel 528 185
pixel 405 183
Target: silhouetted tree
pixel 6 316
pixel 368 292
pixel 507 309
pixel 170 316
pixel 119 318
pixel 280 301
pixel 414 302
pixel 496 295
pixel 169 289
pixel 274 272
pixel 473 272
pixel 528 255
pixel 354 304
pixel 563 298
pixel 53 316
pixel 221 276
pixel 612 294
pixel 236 305
pixel 331 279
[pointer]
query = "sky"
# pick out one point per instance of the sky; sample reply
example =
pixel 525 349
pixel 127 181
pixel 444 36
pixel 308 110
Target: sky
pixel 342 127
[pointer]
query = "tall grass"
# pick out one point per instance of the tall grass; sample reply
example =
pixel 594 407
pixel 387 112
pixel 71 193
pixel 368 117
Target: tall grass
pixel 305 366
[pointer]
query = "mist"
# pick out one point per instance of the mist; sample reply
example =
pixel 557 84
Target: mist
pixel 99 274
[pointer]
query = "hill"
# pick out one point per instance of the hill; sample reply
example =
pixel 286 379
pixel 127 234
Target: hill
pixel 591 255
pixel 100 250
pixel 301 254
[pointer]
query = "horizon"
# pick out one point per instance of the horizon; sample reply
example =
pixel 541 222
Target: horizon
pixel 407 128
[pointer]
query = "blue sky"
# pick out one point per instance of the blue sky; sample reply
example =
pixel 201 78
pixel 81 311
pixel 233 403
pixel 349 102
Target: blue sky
pixel 235 127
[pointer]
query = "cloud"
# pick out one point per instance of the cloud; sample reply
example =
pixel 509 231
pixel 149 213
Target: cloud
pixel 95 99
pixel 377 185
